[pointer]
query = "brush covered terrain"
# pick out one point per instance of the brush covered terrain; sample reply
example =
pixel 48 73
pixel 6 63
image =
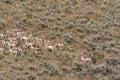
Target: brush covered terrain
pixel 84 26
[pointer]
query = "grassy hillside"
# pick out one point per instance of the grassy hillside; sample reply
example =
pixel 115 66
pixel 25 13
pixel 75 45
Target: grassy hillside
pixel 85 27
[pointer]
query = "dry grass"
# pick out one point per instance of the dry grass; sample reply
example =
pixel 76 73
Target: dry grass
pixel 85 26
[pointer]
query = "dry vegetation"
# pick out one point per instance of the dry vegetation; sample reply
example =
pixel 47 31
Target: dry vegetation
pixel 85 27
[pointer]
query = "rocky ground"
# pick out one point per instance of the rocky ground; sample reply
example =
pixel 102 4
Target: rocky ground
pixel 85 26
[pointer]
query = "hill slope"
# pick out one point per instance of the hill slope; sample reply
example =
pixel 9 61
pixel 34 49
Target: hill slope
pixel 85 27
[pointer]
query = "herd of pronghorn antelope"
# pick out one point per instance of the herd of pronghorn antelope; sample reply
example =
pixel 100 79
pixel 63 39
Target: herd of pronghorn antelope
pixel 16 42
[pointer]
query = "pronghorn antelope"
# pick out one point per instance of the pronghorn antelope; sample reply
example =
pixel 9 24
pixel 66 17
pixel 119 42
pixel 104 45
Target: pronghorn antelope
pixel 2 48
pixel 3 41
pixel 14 39
pixel 49 44
pixel 39 41
pixel 12 44
pixel 15 51
pixel 37 50
pixel 85 59
pixel 24 48
pixel 20 49
pixel 19 33
pixel 7 42
pixel 89 58
pixel 29 45
pixel 1 35
pixel 26 37
pixel 60 44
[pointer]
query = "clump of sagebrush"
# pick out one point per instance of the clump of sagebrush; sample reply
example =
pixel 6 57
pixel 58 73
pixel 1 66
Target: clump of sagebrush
pixel 17 66
pixel 7 61
pixel 91 45
pixel 11 75
pixel 8 1
pixel 101 69
pixel 26 72
pixel 76 66
pixel 32 68
pixel 31 77
pixel 113 51
pixel 30 59
pixel 117 77
pixel 100 77
pixel 3 23
pixel 68 38
pixel 63 59
pixel 112 61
